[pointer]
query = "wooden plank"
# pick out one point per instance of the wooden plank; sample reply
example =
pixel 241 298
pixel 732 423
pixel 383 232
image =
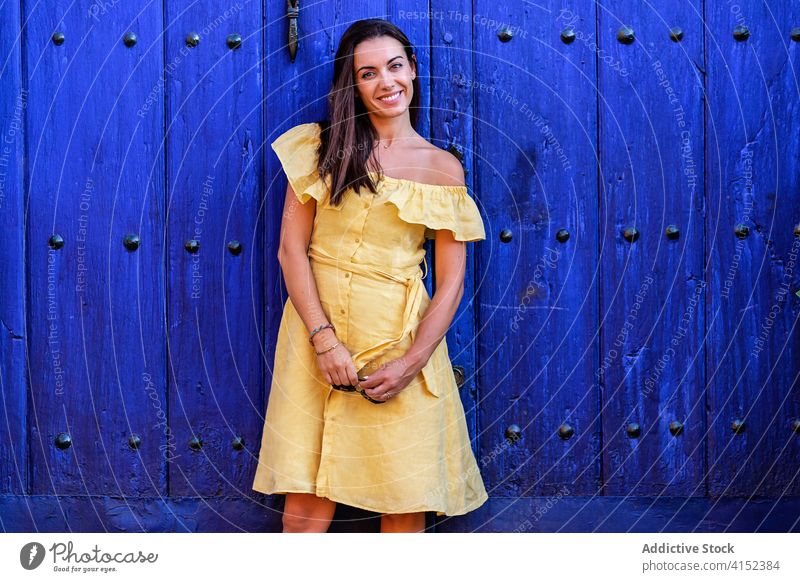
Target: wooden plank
pixel 451 115
pixel 563 513
pixel 653 289
pixel 49 514
pixel 13 377
pixel 753 152
pixel 535 126
pixel 96 308
pixel 108 513
pixel 214 140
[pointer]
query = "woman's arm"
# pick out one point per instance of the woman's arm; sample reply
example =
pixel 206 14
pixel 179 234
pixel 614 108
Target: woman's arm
pixel 296 226
pixel 451 264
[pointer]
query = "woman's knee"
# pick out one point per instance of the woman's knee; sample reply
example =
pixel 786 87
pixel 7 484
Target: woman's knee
pixel 293 523
pixel 403 522
pixel 304 512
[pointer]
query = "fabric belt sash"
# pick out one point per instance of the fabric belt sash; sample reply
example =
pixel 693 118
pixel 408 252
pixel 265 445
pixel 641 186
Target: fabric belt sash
pixel 411 278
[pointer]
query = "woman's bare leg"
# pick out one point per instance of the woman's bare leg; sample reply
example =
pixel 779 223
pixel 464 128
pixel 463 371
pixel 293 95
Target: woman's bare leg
pixel 403 522
pixel 305 512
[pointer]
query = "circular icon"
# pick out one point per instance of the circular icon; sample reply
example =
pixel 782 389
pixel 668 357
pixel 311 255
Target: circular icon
pixel 31 555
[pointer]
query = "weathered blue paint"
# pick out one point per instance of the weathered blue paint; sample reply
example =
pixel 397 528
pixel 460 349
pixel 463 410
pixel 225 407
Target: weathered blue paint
pixel 753 360
pixel 592 136
pixel 95 310
pixel 215 299
pixel 535 131
pixel 14 458
pixel 500 514
pixel 652 290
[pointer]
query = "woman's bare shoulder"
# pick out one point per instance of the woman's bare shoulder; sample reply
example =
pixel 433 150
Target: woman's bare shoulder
pixel 439 166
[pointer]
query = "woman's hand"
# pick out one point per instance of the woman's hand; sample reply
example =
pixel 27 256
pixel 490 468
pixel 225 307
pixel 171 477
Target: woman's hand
pixel 390 379
pixel 336 365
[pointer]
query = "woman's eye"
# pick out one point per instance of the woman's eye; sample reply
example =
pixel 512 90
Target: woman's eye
pixel 364 76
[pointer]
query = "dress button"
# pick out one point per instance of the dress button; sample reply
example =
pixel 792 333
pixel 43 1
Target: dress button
pixel 341 310
pixel 358 240
pixel 347 275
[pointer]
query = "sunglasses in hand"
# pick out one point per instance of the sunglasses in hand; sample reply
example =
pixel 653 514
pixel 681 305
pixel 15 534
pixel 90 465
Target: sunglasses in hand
pixel 349 388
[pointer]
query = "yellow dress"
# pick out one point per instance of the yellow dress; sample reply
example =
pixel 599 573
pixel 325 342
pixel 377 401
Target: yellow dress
pixel 411 453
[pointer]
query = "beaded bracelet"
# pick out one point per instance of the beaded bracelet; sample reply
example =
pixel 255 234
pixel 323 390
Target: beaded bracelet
pixel 318 329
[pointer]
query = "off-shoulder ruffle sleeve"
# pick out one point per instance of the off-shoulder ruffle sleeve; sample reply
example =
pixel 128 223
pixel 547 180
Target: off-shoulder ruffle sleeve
pixel 297 150
pixel 438 208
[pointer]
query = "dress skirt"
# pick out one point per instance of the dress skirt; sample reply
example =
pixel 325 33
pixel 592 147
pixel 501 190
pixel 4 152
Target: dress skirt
pixel 409 454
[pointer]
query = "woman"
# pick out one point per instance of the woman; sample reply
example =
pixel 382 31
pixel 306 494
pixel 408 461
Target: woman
pixel 364 407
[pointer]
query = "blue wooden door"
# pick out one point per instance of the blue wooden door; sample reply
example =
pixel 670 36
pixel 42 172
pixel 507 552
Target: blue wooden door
pixel 637 365
pixel 626 350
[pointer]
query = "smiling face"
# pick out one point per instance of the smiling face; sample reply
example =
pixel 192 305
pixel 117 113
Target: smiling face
pixel 383 76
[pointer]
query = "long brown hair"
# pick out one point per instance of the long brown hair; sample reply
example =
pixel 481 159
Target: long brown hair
pixel 347 137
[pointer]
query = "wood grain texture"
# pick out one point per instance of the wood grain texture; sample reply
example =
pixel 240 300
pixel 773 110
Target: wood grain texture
pixel 753 167
pixel 235 514
pixel 14 460
pixel 452 129
pixel 95 309
pixel 653 290
pixel 535 132
pixel 215 299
